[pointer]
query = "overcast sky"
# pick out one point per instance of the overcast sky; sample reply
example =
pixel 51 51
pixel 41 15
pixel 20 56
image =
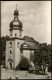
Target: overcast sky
pixel 35 16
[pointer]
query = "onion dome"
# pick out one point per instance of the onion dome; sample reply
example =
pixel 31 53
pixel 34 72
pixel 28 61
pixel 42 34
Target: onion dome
pixel 16 23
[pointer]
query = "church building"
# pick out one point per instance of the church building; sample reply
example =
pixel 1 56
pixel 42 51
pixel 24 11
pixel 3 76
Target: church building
pixel 18 46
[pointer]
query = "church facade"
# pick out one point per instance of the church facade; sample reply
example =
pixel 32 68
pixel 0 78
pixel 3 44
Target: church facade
pixel 18 46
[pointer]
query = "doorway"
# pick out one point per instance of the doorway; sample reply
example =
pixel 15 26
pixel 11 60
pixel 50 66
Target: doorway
pixel 10 65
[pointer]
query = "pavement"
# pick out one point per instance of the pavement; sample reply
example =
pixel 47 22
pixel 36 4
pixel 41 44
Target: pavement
pixel 5 74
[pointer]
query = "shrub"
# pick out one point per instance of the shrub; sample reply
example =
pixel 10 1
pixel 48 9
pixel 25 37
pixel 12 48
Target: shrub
pixel 24 64
pixel 49 68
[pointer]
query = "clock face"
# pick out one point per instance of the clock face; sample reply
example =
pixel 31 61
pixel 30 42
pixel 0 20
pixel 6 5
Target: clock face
pixel 15 23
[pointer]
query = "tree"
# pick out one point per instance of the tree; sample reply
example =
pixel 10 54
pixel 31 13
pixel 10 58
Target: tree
pixel 24 64
pixel 3 48
pixel 42 56
pixel 45 54
pixel 37 58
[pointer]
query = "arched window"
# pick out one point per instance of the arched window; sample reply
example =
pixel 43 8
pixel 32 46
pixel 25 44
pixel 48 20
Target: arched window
pixel 15 34
pixel 10 52
pixel 10 44
pixel 11 34
pixel 20 34
pixel 20 31
pixel 18 44
pixel 10 55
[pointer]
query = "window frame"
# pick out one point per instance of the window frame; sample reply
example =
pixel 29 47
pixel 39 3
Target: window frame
pixel 18 45
pixel 10 44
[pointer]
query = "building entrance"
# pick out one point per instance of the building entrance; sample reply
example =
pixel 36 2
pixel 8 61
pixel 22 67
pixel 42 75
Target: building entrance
pixel 10 63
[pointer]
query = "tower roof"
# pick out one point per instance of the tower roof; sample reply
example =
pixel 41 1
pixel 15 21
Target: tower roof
pixel 16 23
pixel 16 13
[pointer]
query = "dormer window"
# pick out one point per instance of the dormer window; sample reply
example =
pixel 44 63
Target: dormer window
pixel 10 44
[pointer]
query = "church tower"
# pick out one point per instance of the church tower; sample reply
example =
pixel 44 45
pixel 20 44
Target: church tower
pixel 14 42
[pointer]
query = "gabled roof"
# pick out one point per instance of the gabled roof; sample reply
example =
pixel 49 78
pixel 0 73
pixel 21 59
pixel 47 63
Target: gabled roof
pixel 29 39
pixel 29 45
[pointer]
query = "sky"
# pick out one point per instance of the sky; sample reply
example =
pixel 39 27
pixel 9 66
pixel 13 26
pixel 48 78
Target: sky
pixel 34 15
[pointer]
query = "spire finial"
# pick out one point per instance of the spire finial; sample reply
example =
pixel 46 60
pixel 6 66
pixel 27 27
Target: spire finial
pixel 16 11
pixel 16 6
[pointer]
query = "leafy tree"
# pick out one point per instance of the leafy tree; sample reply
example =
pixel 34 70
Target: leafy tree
pixel 24 64
pixel 3 48
pixel 45 54
pixel 42 56
pixel 37 58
